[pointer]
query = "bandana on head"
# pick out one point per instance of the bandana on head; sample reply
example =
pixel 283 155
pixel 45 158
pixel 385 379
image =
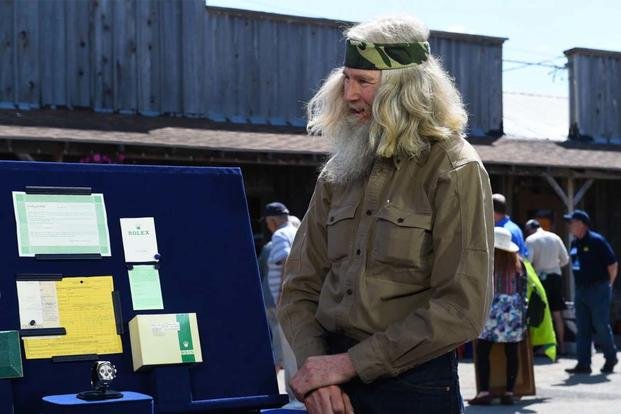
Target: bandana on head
pixel 383 56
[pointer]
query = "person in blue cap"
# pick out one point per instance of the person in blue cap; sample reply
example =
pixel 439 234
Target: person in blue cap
pixel 594 266
pixel 283 229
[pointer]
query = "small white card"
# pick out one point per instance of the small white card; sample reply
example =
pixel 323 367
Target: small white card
pixel 139 240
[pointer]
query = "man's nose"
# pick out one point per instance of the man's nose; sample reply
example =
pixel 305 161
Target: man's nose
pixel 351 92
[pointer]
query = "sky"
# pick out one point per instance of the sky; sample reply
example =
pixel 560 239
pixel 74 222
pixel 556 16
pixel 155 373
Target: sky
pixel 537 31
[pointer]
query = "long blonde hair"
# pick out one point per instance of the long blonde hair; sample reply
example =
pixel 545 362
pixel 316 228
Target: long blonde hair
pixel 413 106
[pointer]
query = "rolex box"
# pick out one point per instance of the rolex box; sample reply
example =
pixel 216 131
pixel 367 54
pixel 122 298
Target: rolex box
pixel 164 339
pixel 10 355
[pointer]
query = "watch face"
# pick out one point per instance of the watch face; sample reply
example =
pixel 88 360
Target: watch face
pixel 106 371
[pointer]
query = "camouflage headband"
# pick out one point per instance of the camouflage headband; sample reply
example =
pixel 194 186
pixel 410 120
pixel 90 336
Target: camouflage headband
pixel 382 56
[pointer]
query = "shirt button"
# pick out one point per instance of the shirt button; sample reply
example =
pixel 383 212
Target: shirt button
pixel 400 220
pixel 332 218
pixel 369 212
pixel 349 291
pixel 358 252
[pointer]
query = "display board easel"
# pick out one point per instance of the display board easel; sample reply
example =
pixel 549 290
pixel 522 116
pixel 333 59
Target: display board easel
pixel 207 266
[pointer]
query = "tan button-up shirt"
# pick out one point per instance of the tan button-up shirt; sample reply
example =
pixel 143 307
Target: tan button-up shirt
pixel 401 261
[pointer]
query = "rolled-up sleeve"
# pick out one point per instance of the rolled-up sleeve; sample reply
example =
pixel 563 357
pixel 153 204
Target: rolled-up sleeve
pixel 460 281
pixel 305 271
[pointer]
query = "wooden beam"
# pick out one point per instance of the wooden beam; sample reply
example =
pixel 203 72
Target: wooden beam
pixel 582 191
pixel 570 207
pixel 67 150
pixel 559 191
pixel 508 193
pixel 506 169
pixel 570 199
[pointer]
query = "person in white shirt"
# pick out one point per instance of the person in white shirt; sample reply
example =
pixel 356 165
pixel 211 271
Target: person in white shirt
pixel 283 227
pixel 548 254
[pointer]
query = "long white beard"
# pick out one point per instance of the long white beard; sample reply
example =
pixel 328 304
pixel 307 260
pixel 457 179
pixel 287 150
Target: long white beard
pixel 352 153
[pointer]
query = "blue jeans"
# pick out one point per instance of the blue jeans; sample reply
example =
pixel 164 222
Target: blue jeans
pixel 430 388
pixel 593 314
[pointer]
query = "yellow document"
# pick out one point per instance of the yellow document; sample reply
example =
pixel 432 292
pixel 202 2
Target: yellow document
pixel 86 312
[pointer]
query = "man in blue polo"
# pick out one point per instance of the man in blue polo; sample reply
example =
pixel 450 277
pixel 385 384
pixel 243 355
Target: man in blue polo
pixel 501 219
pixel 595 268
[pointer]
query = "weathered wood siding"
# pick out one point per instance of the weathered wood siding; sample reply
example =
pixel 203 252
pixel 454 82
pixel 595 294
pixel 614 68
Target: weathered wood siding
pixel 182 58
pixel 595 94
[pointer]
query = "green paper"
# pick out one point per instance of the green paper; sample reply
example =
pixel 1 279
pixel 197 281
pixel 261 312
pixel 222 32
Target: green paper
pixel 61 224
pixel 10 355
pixel 144 283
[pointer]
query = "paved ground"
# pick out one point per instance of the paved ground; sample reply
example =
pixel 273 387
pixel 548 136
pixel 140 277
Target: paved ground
pixel 557 391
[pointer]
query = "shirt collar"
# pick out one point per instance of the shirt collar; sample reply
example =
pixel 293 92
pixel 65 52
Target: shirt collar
pixel 502 221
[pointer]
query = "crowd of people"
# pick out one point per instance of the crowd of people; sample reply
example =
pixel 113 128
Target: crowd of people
pixel 594 266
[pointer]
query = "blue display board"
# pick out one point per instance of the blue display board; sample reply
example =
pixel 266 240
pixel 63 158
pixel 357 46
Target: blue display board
pixel 207 266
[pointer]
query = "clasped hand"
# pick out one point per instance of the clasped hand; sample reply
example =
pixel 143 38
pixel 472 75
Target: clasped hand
pixel 316 384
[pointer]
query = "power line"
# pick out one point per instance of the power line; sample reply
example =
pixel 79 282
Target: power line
pixel 524 64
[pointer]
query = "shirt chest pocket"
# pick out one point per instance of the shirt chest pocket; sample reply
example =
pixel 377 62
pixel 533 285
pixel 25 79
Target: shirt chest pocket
pixel 403 238
pixel 340 231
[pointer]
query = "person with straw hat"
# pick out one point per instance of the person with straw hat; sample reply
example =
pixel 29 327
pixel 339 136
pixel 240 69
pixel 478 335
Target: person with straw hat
pixel 506 321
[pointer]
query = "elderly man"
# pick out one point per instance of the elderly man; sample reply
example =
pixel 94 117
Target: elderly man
pixel 595 267
pixel 391 268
